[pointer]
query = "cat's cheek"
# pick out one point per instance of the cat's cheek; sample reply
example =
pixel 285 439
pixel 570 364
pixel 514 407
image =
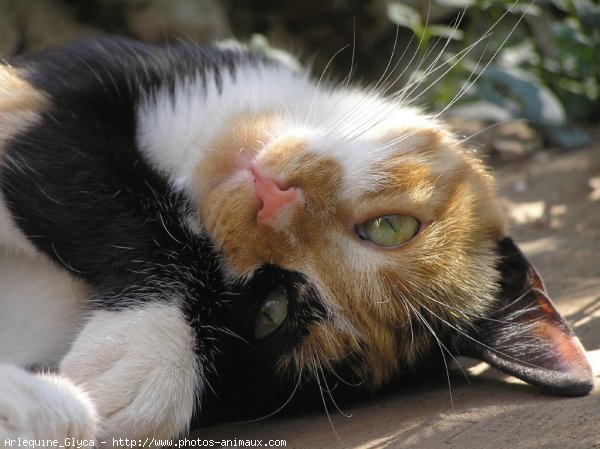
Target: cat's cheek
pixel 228 216
pixel 365 354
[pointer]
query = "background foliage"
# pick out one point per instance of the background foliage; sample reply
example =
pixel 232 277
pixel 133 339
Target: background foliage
pixel 498 60
pixel 545 64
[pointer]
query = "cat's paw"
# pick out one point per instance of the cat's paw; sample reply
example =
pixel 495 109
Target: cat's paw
pixel 42 406
pixel 140 370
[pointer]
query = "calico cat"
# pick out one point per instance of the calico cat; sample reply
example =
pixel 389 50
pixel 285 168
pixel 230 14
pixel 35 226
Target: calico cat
pixel 193 231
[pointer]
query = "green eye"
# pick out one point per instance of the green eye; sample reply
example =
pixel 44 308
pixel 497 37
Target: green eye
pixel 271 314
pixel 389 230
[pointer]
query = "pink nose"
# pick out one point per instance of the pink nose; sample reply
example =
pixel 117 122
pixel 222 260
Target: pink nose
pixel 271 197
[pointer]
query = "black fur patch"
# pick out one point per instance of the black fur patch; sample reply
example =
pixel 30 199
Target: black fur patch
pixel 249 382
pixel 81 191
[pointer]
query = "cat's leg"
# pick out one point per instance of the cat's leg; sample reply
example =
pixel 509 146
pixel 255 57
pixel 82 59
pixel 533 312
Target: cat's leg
pixel 42 308
pixel 42 406
pixel 140 369
pixel 137 366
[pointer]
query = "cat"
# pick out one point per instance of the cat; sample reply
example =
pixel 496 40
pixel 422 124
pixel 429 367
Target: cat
pixel 193 231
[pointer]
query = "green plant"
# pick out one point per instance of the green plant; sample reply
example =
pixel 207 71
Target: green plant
pixel 539 61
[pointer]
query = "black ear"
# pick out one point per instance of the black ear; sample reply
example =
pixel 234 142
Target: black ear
pixel 525 336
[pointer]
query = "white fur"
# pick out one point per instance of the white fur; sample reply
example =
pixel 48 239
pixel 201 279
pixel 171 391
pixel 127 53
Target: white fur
pixel 139 368
pixel 351 125
pixel 11 237
pixel 42 407
pixel 41 309
pixel 174 127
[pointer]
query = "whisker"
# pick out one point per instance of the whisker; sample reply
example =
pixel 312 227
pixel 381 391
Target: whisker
pixel 353 52
pixel 344 381
pixel 283 405
pixel 464 334
pixel 231 333
pixel 383 78
pixel 402 95
pixel 409 64
pixel 329 392
pixel 500 47
pixel 487 128
pixel 317 88
pixel 316 374
pixel 442 349
pixel 406 94
pixel 359 118
pixel 380 83
pixel 466 313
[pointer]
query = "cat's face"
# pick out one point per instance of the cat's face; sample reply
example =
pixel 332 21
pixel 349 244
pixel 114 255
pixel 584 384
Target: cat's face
pixel 396 225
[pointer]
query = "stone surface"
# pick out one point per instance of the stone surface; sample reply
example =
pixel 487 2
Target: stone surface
pixel 491 128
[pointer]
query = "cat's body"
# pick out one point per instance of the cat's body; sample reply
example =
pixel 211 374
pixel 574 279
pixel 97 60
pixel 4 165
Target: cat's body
pixel 223 232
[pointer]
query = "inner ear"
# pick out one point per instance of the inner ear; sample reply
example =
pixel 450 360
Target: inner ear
pixel 518 275
pixel 525 336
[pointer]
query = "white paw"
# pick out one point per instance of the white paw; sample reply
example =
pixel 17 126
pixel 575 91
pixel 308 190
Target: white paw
pixel 42 406
pixel 139 369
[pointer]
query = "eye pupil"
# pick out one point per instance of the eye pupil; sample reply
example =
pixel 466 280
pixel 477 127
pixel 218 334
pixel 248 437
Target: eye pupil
pixel 272 313
pixel 389 222
pixel 268 317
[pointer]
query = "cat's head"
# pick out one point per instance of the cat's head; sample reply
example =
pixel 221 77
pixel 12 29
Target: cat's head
pixel 380 234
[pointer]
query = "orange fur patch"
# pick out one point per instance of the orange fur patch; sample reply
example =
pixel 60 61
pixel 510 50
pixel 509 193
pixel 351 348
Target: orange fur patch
pixel 237 143
pixel 375 298
pixel 20 103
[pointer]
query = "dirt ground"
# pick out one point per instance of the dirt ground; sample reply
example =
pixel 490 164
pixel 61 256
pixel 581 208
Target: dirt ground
pixel 554 206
